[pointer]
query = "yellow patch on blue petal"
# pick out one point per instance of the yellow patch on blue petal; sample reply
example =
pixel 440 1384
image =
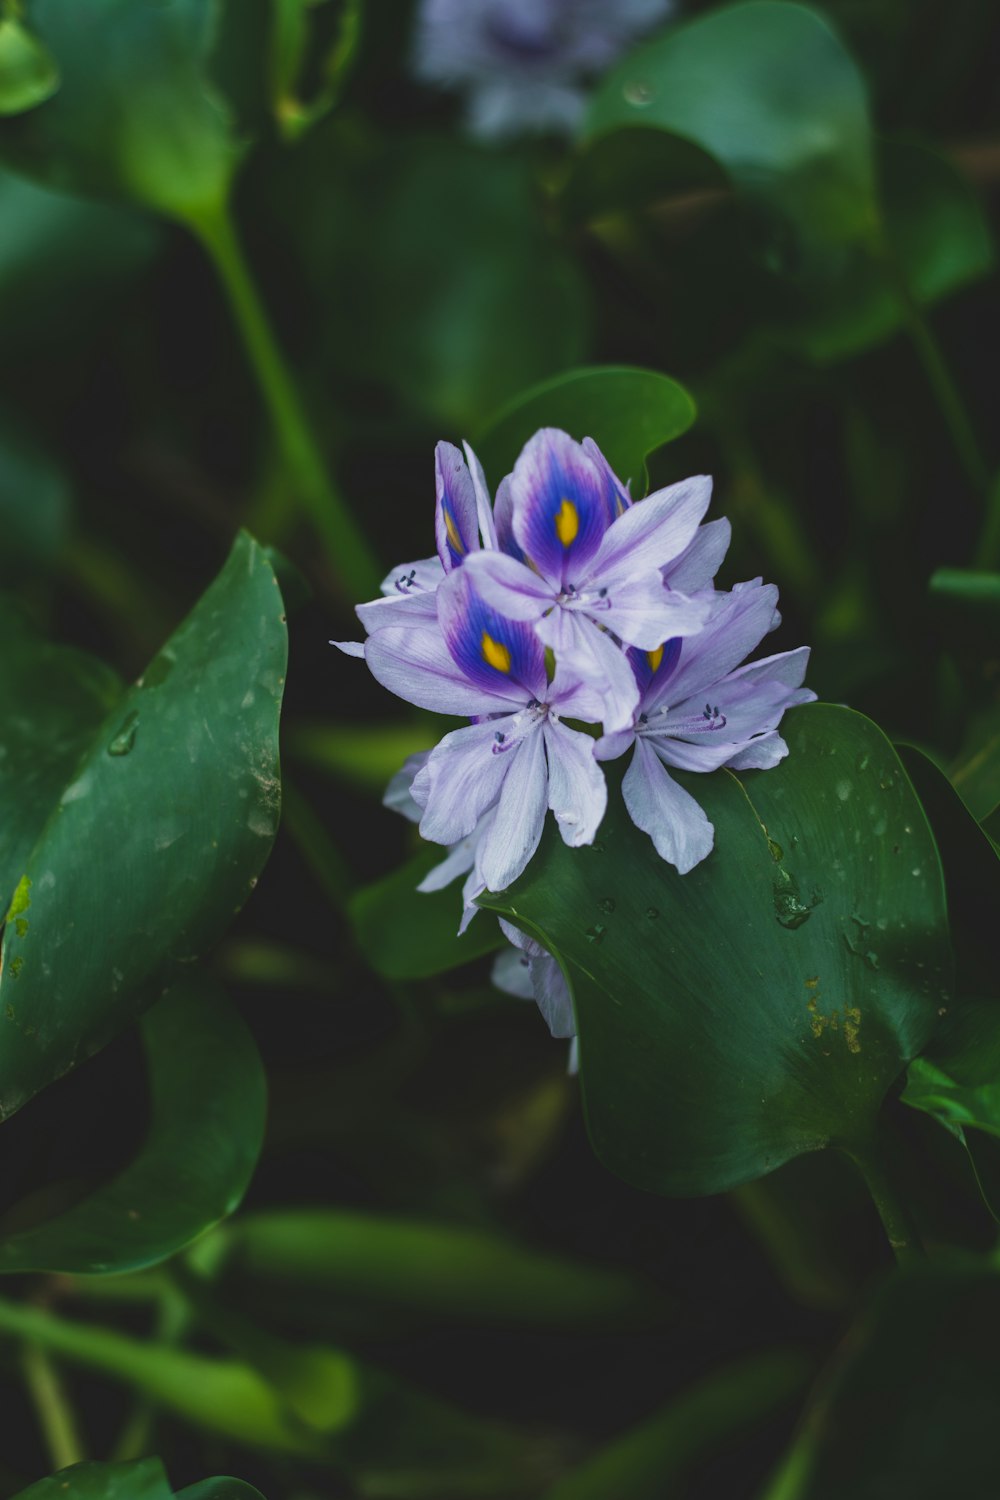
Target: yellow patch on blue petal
pixel 453 533
pixel 654 658
pixel 567 522
pixel 495 653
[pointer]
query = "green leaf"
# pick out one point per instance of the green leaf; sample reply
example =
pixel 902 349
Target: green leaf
pixel 141 1480
pixel 157 837
pixel 135 116
pixel 636 166
pixel 766 89
pixel 976 770
pixel 53 700
pixel 409 934
pixel 761 1005
pixel 442 1271
pixel 221 1488
pixel 908 1404
pixel 34 505
pixel 208 1103
pixel 483 303
pixel 628 412
pixel 28 75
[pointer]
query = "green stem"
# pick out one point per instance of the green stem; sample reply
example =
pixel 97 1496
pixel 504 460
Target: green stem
pixel 353 560
pixel 893 1210
pixel 939 377
pixel 55 1414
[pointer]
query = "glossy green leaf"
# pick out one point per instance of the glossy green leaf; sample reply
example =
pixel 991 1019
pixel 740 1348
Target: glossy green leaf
pixel 441 1271
pixel 34 506
pixel 143 1479
pixel 976 770
pixel 768 90
pixel 628 412
pixel 221 1488
pixel 53 699
pixel 157 837
pixel 28 75
pixel 409 934
pixel 208 1103
pixel 761 1005
pixel 134 115
pixel 908 1404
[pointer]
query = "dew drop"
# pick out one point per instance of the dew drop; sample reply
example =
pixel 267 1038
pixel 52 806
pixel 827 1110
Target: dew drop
pixel 125 738
pixel 871 959
pixel 843 790
pixel 607 904
pixel 652 912
pixel 638 92
pixel 596 933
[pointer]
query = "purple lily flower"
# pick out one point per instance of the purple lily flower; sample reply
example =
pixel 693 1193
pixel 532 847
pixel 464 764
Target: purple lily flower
pixel 588 564
pixel 699 710
pixel 521 62
pixel 462 515
pixel 517 758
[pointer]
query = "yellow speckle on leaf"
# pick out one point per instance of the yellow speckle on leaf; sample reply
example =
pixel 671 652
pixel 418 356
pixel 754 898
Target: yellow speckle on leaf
pixel 495 653
pixel 567 522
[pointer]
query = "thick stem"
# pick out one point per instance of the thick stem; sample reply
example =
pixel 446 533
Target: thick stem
pixel 350 554
pixel 55 1414
pixel 893 1209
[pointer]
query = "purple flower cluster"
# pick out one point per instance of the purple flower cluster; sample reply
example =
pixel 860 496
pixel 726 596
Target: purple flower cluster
pixel 521 63
pixel 570 626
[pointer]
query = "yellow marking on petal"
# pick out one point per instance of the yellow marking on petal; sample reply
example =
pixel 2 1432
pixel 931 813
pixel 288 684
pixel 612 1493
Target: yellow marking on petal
pixel 654 658
pixel 452 530
pixel 495 653
pixel 567 522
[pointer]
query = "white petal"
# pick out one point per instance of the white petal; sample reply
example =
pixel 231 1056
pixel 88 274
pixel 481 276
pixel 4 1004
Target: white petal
pixel 681 833
pixel 578 793
pixel 520 815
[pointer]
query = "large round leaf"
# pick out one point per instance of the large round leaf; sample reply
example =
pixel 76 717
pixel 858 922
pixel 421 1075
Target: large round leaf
pixel 157 839
pixel 628 412
pixel 141 1480
pixel 134 115
pixel 761 1005
pixel 766 89
pixel 208 1104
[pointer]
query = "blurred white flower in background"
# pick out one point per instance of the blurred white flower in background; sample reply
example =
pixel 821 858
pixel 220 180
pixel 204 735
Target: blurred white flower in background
pixel 523 65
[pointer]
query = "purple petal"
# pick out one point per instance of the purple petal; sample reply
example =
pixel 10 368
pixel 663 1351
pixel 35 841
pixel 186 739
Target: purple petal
pixel 399 793
pixel 552 996
pixel 484 510
pixel 511 973
pixel 458 861
pixel 577 793
pixel 417 666
pixel 593 657
pixel 417 610
pixel 520 815
pixel 503 517
pixel 642 612
pixel 617 494
pixel 509 586
pixel 350 648
pixel 560 505
pixel 681 833
pixel 652 533
pixel 701 559
pixel 658 663
pixel 761 754
pixel 462 779
pixel 502 656
pixel 456 522
pixel 420 577
pixel 787 667
pixel 611 746
pixel 738 623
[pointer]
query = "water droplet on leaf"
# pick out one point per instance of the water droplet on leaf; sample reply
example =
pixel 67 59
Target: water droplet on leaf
pixel 596 933
pixel 607 904
pixel 125 738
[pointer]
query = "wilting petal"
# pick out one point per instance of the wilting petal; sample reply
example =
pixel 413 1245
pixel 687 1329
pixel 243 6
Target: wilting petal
pixel 399 793
pixel 653 532
pixel 461 779
pixel 560 505
pixel 738 623
pixel 484 509
pixel 701 558
pixel 417 666
pixel 681 833
pixel 456 519
pixel 509 586
pixel 520 814
pixel 504 656
pixel 577 792
pixel 642 612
